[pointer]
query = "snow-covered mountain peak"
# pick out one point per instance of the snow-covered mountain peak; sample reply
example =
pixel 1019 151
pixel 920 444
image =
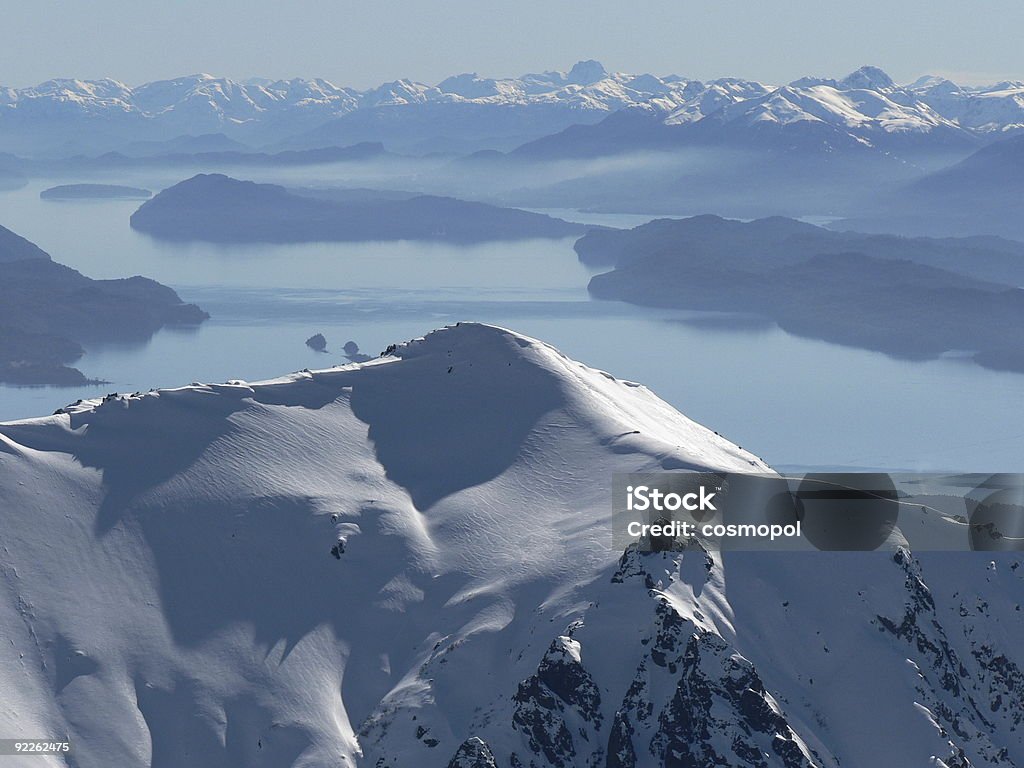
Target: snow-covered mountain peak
pixel 651 84
pixel 484 352
pixel 1006 85
pixel 932 82
pixel 469 85
pixel 587 72
pixel 468 396
pixel 100 88
pixel 409 562
pixel 448 441
pixel 810 81
pixel 317 113
pixel 397 92
pixel 867 77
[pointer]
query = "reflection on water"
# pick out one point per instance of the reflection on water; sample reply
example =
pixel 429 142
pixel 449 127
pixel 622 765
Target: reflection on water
pixel 792 401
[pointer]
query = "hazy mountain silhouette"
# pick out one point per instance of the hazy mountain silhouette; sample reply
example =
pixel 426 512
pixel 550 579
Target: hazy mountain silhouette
pixel 218 208
pixel 94 192
pixel 980 194
pixel 48 311
pixel 857 290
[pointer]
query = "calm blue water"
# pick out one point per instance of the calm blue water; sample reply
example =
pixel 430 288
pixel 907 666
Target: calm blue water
pixel 791 401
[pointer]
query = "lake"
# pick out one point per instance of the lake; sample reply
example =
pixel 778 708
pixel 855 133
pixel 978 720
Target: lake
pixel 795 402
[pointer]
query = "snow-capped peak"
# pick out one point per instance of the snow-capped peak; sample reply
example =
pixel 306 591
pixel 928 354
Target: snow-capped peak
pixel 409 562
pixel 587 72
pixel 469 85
pixel 810 81
pixel 867 78
pixel 304 111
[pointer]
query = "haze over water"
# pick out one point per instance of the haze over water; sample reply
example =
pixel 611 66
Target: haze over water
pixel 792 401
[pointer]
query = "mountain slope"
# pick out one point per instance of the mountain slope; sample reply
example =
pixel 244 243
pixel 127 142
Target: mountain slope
pixel 990 177
pixel 408 562
pixel 973 196
pixel 253 487
pixel 14 247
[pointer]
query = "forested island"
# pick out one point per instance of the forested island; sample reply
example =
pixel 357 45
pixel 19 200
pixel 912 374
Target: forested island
pixel 218 208
pixel 881 293
pixel 95 192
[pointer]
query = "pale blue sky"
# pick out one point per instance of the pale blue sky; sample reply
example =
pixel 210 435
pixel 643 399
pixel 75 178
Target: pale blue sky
pixel 363 44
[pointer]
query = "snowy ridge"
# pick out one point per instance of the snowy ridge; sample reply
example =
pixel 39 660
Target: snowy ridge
pixel 866 101
pixel 408 562
pixel 888 110
pixel 997 108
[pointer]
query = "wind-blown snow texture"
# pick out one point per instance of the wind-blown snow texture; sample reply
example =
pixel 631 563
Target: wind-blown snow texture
pixel 407 562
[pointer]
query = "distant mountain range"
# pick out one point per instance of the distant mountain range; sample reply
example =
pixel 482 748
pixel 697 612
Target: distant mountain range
pixel 864 109
pixel 470 112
